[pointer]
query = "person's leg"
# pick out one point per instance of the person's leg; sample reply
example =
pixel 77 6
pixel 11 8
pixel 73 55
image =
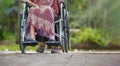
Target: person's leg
pixel 56 49
pixel 41 48
pixel 41 44
pixel 52 37
pixel 32 32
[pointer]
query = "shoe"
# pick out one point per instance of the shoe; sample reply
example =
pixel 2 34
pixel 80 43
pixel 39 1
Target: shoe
pixel 29 39
pixel 41 49
pixel 55 50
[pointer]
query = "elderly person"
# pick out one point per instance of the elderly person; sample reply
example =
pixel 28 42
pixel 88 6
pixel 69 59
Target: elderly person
pixel 41 20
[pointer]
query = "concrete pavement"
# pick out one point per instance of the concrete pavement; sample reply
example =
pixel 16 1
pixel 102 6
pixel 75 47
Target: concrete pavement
pixel 76 58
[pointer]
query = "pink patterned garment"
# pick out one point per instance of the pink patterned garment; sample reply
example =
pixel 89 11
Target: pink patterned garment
pixel 42 18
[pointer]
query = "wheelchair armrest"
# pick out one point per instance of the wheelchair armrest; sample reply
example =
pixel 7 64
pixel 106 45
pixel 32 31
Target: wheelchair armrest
pixel 25 5
pixel 25 9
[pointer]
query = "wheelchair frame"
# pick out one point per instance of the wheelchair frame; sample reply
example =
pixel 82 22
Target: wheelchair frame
pixel 61 29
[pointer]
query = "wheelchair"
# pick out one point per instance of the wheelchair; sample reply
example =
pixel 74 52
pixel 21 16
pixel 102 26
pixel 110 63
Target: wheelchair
pixel 61 29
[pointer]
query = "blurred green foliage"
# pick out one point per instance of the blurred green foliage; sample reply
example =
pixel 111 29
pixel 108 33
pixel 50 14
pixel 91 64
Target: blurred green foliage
pixel 8 18
pixel 90 35
pixel 97 14
pixel 14 47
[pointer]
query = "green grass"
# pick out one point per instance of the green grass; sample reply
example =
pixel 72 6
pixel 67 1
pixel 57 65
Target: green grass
pixel 15 47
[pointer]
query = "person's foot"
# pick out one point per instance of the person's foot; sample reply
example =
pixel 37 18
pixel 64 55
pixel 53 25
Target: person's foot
pixel 41 49
pixel 55 50
pixel 29 39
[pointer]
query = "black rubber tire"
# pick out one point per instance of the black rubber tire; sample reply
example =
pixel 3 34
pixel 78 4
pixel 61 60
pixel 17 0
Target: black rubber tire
pixel 22 47
pixel 65 39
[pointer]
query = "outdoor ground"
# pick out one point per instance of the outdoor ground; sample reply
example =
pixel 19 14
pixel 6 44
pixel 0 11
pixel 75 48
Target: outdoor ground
pixel 76 58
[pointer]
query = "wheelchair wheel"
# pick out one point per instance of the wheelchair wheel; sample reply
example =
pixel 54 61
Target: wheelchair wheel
pixel 22 33
pixel 66 35
pixel 22 48
pixel 65 28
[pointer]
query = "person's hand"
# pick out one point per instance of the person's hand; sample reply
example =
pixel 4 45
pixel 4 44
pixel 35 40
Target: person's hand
pixel 62 0
pixel 36 6
pixel 24 0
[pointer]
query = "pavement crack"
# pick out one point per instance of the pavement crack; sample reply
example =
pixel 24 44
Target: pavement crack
pixel 71 56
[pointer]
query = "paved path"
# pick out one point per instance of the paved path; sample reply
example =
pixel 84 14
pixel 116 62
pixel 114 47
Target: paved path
pixel 86 58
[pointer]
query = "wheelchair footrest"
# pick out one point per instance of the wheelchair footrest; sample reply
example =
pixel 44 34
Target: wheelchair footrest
pixel 53 43
pixel 30 43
